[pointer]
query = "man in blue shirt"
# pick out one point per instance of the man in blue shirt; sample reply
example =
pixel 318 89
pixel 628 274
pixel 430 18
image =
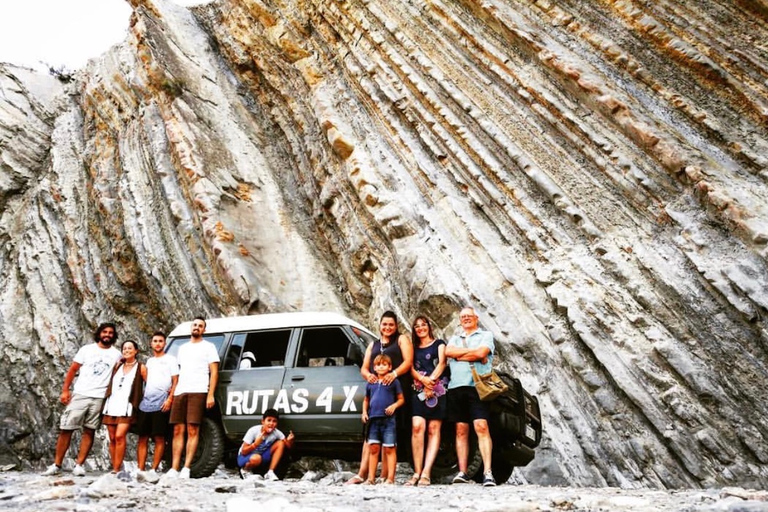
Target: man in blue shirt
pixel 473 347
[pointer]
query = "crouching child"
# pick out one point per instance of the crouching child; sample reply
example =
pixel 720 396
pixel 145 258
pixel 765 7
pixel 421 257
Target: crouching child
pixel 263 447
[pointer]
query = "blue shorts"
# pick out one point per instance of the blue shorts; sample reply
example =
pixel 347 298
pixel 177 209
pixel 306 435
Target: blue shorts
pixel 266 456
pixel 382 431
pixel 465 406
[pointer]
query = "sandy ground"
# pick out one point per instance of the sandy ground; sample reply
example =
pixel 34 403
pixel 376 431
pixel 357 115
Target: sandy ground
pixel 225 491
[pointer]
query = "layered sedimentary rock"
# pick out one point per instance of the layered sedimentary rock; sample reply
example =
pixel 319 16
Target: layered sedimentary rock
pixel 591 175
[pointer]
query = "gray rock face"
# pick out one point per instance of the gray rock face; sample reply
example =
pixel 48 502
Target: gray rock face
pixel 590 175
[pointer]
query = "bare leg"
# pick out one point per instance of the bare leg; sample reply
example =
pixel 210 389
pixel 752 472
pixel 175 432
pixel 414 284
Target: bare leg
pixel 86 441
pixel 417 443
pixel 363 471
pixel 119 456
pixel 433 446
pixel 157 458
pixel 193 433
pixel 112 435
pixel 484 443
pixel 141 452
pixel 277 452
pixel 390 461
pixel 462 445
pixel 253 462
pixel 178 444
pixel 373 461
pixel 62 445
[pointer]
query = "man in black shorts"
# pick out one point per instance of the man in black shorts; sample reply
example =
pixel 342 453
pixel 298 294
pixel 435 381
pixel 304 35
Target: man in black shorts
pixel 473 347
pixel 155 408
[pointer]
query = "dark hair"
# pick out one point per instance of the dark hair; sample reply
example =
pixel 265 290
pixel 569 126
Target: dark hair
pixel 271 413
pixel 158 333
pixel 101 327
pixel 135 345
pixel 429 326
pixel 201 318
pixel 391 314
pixel 382 358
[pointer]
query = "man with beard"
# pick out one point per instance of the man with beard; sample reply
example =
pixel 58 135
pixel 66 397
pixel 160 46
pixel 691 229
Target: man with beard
pixel 198 373
pixel 93 365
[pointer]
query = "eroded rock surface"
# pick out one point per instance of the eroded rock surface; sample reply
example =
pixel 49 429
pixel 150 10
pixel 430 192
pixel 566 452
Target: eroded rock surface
pixel 590 174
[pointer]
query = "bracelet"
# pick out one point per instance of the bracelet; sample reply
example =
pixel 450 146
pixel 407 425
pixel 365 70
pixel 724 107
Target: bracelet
pixel 393 371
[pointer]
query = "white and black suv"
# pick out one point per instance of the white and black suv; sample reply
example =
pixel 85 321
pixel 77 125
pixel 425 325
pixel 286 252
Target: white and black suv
pixel 307 366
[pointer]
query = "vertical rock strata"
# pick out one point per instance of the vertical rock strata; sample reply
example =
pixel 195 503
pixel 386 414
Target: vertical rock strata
pixel 590 174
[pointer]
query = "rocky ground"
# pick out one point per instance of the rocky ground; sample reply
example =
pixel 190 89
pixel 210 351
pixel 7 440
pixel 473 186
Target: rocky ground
pixel 316 491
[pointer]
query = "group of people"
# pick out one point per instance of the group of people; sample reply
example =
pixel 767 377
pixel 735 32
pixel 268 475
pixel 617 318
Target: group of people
pixel 424 382
pixel 431 380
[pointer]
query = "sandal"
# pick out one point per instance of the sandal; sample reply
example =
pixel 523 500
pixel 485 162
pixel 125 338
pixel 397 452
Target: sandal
pixel 357 479
pixel 424 481
pixel 413 481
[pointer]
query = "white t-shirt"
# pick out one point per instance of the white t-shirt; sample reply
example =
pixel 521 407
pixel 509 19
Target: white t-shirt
pixel 194 359
pixel 160 370
pixel 95 370
pixel 255 432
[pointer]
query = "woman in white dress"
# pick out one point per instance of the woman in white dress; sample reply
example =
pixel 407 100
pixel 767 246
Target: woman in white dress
pixel 123 396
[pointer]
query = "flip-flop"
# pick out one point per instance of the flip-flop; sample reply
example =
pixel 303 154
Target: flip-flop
pixel 413 481
pixel 424 481
pixel 357 479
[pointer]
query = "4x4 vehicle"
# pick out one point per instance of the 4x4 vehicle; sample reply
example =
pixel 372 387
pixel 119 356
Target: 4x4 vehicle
pixel 307 366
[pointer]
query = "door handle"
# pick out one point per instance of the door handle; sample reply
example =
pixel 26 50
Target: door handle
pixel 297 377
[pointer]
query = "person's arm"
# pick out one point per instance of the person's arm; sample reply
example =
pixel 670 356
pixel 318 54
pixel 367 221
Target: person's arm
pixel 364 370
pixel 406 349
pixel 474 354
pixel 213 368
pixel 399 403
pixel 289 440
pixel 442 362
pixel 247 447
pixel 66 396
pixel 365 409
pixel 143 369
pixel 169 401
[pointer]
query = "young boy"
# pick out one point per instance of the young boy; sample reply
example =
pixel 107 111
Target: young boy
pixel 379 407
pixel 263 446
pixel 154 409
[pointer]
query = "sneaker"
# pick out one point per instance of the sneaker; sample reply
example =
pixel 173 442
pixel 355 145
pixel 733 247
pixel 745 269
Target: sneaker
pixel 123 476
pixel 51 470
pixel 241 472
pixel 184 473
pixel 172 473
pixel 78 470
pixel 270 475
pixel 489 481
pixel 461 478
pixel 151 476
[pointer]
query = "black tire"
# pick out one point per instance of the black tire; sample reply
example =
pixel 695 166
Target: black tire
pixel 210 449
pixel 446 464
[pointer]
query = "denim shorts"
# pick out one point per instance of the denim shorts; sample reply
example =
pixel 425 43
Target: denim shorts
pixel 266 456
pixel 382 431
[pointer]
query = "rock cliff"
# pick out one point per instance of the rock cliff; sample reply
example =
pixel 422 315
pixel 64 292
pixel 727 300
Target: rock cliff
pixel 590 174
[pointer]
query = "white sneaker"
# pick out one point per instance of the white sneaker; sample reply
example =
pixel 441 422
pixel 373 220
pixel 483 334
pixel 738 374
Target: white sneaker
pixel 78 470
pixel 184 473
pixel 51 470
pixel 171 473
pixel 270 475
pixel 151 476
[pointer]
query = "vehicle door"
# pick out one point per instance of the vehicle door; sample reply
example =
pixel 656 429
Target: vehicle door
pixel 251 376
pixel 324 385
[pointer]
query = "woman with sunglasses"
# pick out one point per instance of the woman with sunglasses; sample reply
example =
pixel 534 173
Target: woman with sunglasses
pixel 123 397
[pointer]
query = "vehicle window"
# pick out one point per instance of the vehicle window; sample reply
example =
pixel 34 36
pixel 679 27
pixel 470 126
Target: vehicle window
pixel 175 343
pixel 232 359
pixel 324 346
pixel 264 348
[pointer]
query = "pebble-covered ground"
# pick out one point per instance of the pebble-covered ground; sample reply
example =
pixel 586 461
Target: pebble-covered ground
pixel 225 491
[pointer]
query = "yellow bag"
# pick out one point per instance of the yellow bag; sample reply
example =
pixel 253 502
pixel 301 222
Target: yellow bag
pixel 488 385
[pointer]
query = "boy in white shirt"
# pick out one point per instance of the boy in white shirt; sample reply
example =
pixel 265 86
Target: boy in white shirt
pixel 263 446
